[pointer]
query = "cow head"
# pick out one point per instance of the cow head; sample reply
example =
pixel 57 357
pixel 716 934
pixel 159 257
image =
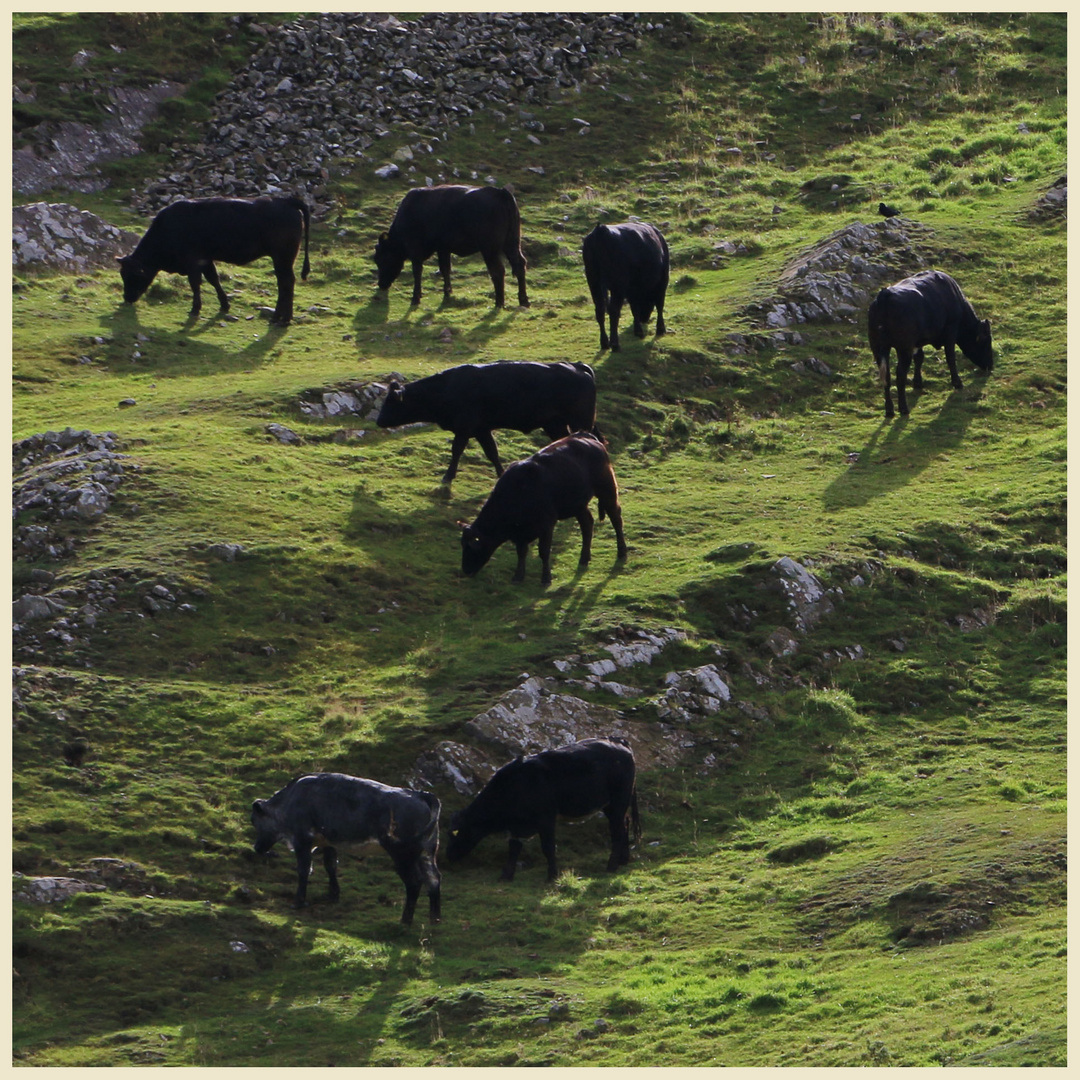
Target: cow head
pixel 393 412
pixel 476 549
pixel 389 259
pixel 463 838
pixel 136 277
pixel 982 351
pixel 266 827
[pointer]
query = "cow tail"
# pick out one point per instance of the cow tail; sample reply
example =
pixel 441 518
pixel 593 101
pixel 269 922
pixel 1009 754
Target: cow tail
pixel 635 820
pixel 303 208
pixel 875 329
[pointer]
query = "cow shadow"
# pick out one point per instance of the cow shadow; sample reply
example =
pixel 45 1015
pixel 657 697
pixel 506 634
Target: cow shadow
pixel 902 448
pixel 183 350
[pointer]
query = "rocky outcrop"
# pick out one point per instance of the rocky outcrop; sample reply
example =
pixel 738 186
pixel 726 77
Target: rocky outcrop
pixel 835 280
pixel 1054 202
pixel 335 91
pixel 679 725
pixel 62 475
pixel 68 154
pixel 59 236
pixel 51 890
pixel 347 399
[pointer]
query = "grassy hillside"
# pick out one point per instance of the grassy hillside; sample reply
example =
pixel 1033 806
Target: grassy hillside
pixel 874 876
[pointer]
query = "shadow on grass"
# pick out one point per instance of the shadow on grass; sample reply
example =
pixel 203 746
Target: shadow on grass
pixel 180 351
pixel 902 448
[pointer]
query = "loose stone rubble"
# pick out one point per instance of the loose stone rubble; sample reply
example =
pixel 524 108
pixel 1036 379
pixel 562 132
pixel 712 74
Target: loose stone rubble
pixel 325 92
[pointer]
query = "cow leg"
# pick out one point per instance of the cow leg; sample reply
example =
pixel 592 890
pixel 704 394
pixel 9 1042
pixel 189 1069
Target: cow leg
pixel 522 554
pixel 614 311
pixel 195 280
pixel 600 305
pixel 511 860
pixel 620 838
pixel 302 846
pixel 329 858
pixel 661 328
pixel 544 545
pixel 211 275
pixel 517 267
pixel 585 520
pixel 903 362
pixel 608 502
pixel 641 313
pixel 916 381
pixel 487 443
pixel 950 357
pixel 286 286
pixel 417 275
pixel 444 270
pixel 494 263
pixel 406 865
pixel 457 448
pixel 883 374
pixel 547 846
pixel 434 886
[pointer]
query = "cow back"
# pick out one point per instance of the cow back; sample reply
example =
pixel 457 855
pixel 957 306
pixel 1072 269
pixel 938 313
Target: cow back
pixel 456 217
pixel 219 230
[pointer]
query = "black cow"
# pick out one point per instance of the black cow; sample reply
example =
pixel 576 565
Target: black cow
pixel 626 262
pixel 472 399
pixel 926 309
pixel 190 235
pixel 452 219
pixel 557 482
pixel 526 796
pixel 321 810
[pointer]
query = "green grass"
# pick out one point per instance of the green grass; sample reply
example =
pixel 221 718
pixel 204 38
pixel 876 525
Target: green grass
pixel 873 876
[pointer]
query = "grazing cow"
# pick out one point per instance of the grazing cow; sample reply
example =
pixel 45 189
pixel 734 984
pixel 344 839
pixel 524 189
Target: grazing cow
pixel 626 262
pixel 557 482
pixel 472 399
pixel 325 809
pixel 190 235
pixel 452 219
pixel 526 796
pixel 926 309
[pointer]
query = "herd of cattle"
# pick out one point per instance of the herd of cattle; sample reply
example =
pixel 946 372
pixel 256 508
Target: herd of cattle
pixel 627 263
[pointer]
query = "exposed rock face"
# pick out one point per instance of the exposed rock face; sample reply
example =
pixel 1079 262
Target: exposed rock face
pixel 67 155
pixel 835 280
pixel 1053 202
pixel 347 399
pixel 539 714
pixel 325 92
pixel 63 237
pixel 67 474
pixel 52 890
pixel 807 600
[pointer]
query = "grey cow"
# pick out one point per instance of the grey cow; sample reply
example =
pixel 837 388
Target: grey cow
pixel 325 809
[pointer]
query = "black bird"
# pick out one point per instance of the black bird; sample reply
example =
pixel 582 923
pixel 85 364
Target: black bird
pixel 888 211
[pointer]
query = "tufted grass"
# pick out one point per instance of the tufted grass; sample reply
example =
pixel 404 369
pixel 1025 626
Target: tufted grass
pixel 877 877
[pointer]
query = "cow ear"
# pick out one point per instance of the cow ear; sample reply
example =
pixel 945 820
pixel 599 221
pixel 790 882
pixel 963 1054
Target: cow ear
pixel 258 806
pixel 383 237
pixel 463 525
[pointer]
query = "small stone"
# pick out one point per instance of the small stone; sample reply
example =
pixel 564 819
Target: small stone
pixel 126 403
